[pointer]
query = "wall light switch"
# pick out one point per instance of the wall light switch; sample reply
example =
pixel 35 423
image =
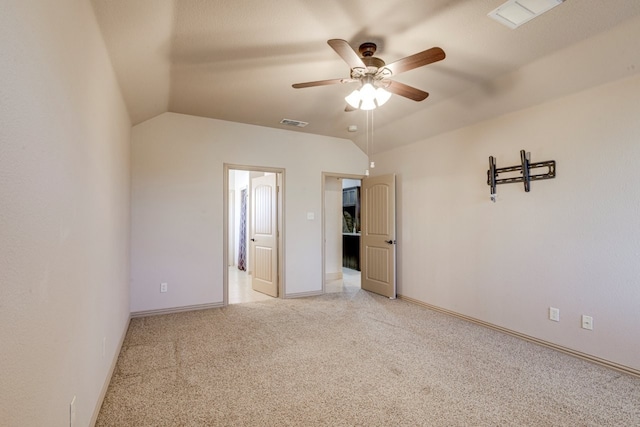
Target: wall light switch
pixel 311 216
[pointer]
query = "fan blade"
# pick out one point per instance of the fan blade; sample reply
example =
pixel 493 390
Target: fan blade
pixel 349 108
pixel 321 83
pixel 406 91
pixel 345 51
pixel 428 56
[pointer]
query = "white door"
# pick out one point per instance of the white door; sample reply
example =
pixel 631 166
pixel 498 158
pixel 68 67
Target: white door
pixel 264 240
pixel 378 235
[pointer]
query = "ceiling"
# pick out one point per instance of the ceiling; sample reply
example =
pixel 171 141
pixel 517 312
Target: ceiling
pixel 236 60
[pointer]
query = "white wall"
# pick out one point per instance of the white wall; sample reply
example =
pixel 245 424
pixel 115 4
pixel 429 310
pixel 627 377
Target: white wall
pixel 333 227
pixel 177 222
pixel 64 216
pixel 572 242
pixel 241 181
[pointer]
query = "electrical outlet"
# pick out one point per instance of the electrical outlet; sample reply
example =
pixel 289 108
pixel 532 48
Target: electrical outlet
pixel 554 314
pixel 163 287
pixel 587 322
pixel 72 412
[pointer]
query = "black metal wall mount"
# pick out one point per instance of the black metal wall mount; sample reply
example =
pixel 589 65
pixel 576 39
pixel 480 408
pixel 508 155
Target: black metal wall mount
pixel 524 168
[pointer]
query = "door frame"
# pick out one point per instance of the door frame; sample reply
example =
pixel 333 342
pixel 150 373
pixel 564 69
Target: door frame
pixel 326 175
pixel 280 172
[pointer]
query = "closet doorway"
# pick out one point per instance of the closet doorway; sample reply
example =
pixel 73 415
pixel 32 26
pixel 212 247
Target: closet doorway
pixel 253 233
pixel 341 230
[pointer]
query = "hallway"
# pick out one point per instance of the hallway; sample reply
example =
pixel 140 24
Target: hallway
pixel 350 280
pixel 240 288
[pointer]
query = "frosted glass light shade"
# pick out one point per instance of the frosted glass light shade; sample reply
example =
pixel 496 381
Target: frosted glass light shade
pixel 367 97
pixel 382 96
pixel 367 92
pixel 353 99
pixel 368 104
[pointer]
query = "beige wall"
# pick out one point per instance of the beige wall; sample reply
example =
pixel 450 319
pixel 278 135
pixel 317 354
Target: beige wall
pixel 572 242
pixel 177 194
pixel 64 213
pixel 333 228
pixel 240 180
pixel 64 216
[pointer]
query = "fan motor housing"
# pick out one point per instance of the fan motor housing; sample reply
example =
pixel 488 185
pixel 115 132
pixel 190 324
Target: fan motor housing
pixel 372 61
pixel 373 64
pixel 367 49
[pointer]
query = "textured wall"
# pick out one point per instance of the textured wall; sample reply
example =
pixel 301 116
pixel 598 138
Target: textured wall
pixel 177 194
pixel 138 37
pixel 240 181
pixel 572 242
pixel 64 213
pixel 333 227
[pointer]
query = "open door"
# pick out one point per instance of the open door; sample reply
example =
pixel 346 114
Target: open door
pixel 378 235
pixel 264 207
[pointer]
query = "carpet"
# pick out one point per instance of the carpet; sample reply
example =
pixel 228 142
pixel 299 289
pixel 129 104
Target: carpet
pixel 352 359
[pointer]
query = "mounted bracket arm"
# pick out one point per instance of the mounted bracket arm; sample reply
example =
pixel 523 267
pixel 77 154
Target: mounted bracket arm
pixel 525 170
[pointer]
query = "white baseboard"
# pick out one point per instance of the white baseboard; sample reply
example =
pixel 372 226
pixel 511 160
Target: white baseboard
pixel 176 309
pixel 303 294
pixel 566 350
pixel 332 276
pixel 112 368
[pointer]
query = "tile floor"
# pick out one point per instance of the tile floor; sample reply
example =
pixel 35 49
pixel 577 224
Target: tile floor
pixel 240 285
pixel 350 279
pixel 240 288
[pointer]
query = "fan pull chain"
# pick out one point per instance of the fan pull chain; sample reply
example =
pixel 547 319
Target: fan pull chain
pixel 369 130
pixel 366 172
pixel 371 164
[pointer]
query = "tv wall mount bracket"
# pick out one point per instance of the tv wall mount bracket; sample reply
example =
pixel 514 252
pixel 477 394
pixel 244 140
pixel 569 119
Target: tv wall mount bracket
pixel 524 168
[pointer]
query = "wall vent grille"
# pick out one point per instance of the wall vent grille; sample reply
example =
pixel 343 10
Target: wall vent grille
pixel 296 123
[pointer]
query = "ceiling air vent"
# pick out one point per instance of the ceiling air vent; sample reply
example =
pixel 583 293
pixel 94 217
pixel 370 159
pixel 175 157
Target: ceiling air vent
pixel 517 12
pixel 296 123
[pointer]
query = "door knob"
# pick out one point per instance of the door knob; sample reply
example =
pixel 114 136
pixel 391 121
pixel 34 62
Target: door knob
pixel 391 242
pixel 253 240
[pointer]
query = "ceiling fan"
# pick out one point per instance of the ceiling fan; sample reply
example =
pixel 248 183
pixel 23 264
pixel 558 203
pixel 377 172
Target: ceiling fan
pixel 375 76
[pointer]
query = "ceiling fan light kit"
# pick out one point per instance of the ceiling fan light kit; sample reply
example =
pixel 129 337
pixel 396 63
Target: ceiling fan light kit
pixel 368 97
pixel 375 76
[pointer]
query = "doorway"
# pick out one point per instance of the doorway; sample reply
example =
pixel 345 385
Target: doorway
pixel 249 277
pixel 341 231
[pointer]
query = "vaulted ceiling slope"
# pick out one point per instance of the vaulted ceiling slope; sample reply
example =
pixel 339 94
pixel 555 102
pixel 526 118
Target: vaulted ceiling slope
pixel 237 59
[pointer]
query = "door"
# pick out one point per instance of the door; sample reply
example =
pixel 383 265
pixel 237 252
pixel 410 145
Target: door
pixel 264 219
pixel 378 235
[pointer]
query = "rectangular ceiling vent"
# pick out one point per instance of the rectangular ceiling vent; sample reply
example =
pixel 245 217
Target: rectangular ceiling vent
pixel 517 12
pixel 296 123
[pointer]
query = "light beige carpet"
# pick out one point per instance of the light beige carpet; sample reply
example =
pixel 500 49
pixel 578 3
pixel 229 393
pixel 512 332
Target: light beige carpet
pixel 352 359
